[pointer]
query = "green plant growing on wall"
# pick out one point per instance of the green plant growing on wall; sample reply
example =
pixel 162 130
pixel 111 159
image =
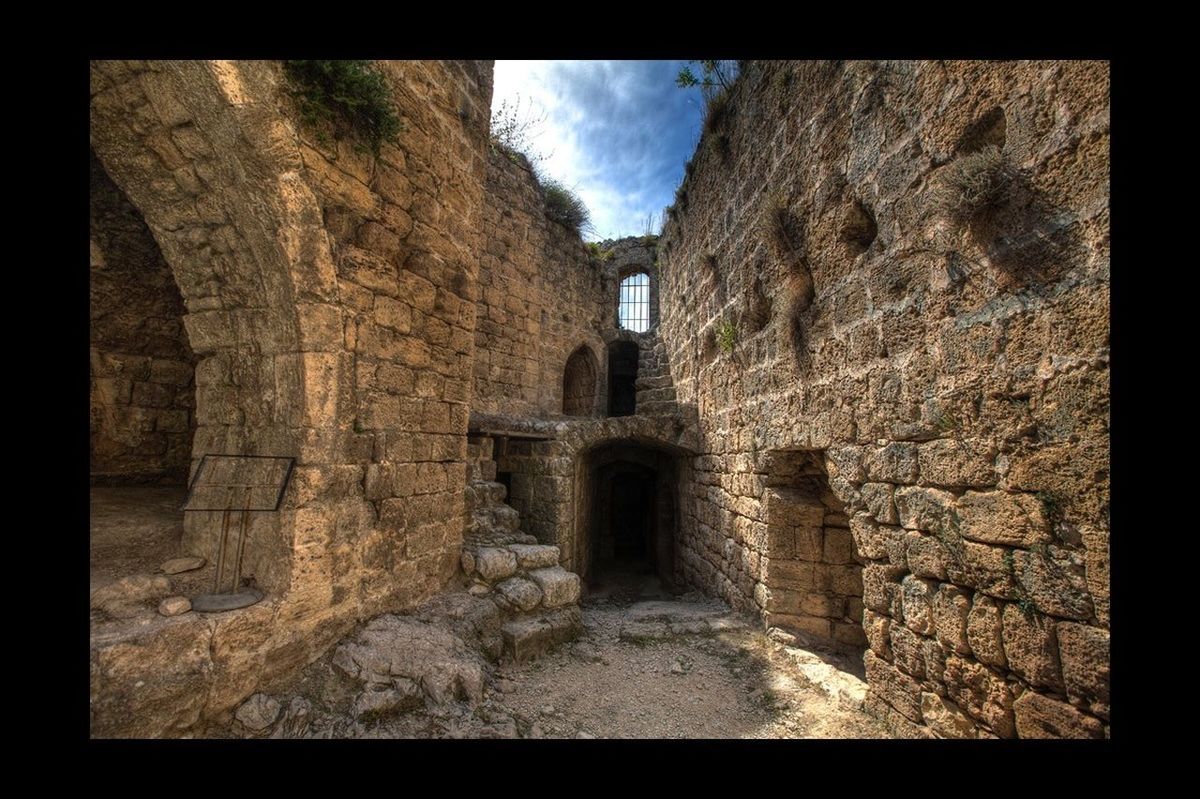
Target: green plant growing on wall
pixel 339 98
pixel 565 206
pixel 595 250
pixel 726 336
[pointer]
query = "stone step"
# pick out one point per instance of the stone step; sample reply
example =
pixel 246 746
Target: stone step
pixel 491 537
pixel 525 639
pixel 657 395
pixel 656 408
pixel 535 556
pixel 559 586
pixel 651 382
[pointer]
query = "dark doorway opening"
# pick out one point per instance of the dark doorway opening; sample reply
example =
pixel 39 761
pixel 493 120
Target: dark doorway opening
pixel 631 522
pixel 622 378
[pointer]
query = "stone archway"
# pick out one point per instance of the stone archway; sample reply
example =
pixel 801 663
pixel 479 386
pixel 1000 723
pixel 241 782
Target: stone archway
pixel 312 298
pixel 579 383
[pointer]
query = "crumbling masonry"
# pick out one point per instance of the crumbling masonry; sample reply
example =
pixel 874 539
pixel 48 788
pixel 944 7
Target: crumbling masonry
pixel 871 406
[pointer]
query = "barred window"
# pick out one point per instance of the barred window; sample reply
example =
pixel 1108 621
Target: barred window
pixel 633 307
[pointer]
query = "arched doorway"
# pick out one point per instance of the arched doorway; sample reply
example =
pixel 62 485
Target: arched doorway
pixel 579 383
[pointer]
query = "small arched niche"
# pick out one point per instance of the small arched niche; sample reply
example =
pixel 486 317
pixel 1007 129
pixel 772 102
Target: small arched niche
pixel 579 383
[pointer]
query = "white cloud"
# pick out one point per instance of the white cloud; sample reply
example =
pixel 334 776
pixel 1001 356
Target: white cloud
pixel 606 96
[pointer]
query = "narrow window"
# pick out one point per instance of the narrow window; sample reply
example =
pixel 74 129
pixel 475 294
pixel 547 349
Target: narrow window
pixel 633 307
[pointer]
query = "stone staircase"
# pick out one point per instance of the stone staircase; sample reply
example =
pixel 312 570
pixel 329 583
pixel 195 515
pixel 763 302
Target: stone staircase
pixel 537 595
pixel 655 391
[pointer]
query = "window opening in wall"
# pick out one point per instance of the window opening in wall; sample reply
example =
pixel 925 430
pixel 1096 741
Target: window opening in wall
pixel 633 307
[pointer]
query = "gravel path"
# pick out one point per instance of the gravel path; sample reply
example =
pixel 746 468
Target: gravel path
pixel 653 669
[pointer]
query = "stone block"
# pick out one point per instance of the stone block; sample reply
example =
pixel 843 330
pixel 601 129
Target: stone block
pixel 917 597
pixel 1031 647
pixel 925 555
pixel 522 594
pixel 945 718
pixel 982 694
pixel 908 651
pixel 900 691
pixel 894 463
pixel 878 499
pixel 951 607
pixel 881 589
pixel 998 517
pixel 1083 653
pixel 495 564
pixel 1054 579
pixel 877 628
pixel 1039 716
pixel 956 463
pixel 559 586
pixel 984 626
pixel 534 556
pixel 839 546
pixel 809 544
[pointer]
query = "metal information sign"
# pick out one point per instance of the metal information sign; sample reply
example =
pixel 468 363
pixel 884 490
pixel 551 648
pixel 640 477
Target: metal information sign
pixel 229 483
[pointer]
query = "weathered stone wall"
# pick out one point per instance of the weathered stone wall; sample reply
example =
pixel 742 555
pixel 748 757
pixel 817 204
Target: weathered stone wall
pixel 914 259
pixel 142 368
pixel 539 299
pixel 330 298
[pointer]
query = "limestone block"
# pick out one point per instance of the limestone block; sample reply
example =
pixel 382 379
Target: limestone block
pixel 1083 652
pixel 1039 716
pixel 998 517
pixel 894 463
pixel 559 586
pixel 534 556
pixel 878 499
pixel 984 627
pixel 927 509
pixel 951 607
pixel 925 555
pixel 839 546
pixel 1031 647
pixel 494 563
pixel 877 628
pixel 953 462
pixel 981 693
pixel 945 718
pixel 900 691
pixel 917 596
pixel 908 652
pixel 520 593
pixel 1054 579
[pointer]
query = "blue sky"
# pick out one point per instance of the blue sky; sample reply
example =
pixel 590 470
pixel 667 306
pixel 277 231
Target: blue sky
pixel 617 132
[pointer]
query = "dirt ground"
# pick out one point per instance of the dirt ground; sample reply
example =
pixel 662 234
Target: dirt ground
pixel 652 666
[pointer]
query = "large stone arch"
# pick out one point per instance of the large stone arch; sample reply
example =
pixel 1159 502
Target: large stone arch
pixel 318 281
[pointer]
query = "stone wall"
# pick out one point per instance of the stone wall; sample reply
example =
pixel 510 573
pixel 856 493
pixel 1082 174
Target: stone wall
pixel 142 368
pixel 330 299
pixel 914 261
pixel 539 299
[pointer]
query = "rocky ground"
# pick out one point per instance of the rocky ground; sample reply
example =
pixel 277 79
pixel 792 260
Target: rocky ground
pixel 643 668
